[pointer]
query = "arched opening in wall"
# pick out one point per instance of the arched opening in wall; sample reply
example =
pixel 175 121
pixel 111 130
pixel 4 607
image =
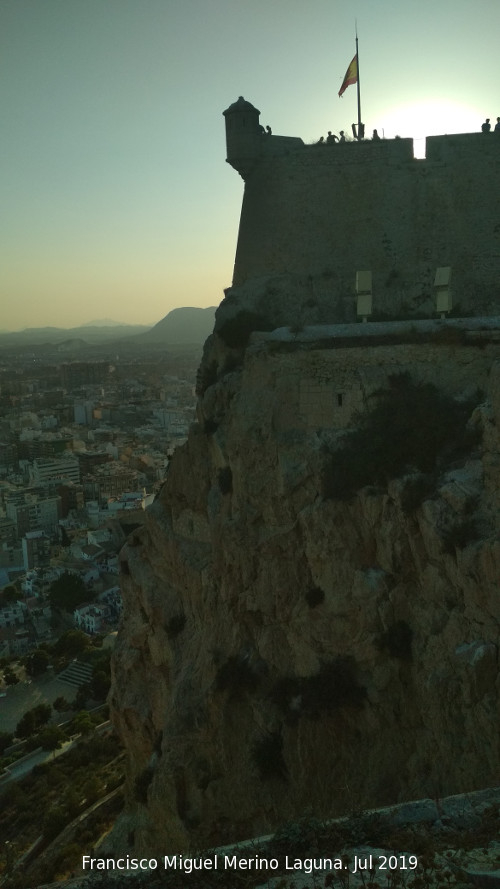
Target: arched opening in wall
pixel 340 399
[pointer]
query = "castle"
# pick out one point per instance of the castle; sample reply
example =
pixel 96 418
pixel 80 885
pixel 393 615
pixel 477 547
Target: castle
pixel 285 648
pixel 314 215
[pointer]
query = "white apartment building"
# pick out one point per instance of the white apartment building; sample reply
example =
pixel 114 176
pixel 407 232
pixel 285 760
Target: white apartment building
pixel 46 469
pixel 13 615
pixel 89 618
pixel 31 513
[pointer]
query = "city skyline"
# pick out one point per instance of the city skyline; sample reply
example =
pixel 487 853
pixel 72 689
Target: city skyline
pixel 116 199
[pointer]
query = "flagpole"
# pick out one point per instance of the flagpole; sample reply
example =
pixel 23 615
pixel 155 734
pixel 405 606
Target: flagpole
pixel 359 93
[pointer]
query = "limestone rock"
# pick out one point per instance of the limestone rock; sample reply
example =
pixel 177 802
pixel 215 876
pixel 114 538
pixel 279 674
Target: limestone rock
pixel 282 652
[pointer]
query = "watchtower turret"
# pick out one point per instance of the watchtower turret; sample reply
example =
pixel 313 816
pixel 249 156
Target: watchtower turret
pixel 244 136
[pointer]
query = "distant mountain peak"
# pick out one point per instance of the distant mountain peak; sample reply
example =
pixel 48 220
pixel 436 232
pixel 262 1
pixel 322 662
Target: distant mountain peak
pixel 186 324
pixel 104 322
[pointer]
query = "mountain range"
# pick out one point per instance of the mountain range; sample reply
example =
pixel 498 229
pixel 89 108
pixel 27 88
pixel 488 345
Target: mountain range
pixel 182 326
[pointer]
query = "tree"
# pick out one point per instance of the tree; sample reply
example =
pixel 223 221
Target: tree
pixel 33 720
pixel 92 789
pixel 82 723
pixel 42 713
pixel 51 737
pixel 37 662
pixel 9 595
pixel 71 643
pixel 82 696
pixel 26 725
pixel 67 592
pixel 61 704
pixel 99 684
pixel 5 741
pixel 10 677
pixel 54 822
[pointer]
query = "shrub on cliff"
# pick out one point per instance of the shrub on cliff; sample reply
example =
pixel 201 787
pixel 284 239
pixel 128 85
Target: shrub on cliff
pixel 459 535
pixel 141 784
pixel 267 754
pixel 236 675
pixel 413 426
pixel 225 480
pixel 235 332
pixel 176 625
pixel 334 686
pixel 417 489
pixel 206 376
pixel 397 641
pixel 315 596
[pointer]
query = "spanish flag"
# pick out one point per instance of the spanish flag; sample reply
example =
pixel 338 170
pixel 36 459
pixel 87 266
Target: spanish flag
pixel 351 75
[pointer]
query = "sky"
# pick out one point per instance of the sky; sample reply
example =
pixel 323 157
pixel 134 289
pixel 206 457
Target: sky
pixel 115 198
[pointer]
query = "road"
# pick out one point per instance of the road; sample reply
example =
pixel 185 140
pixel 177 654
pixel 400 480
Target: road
pixel 21 768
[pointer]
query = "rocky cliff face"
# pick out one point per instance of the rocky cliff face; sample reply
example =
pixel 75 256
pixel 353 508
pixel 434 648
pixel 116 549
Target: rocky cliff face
pixel 284 651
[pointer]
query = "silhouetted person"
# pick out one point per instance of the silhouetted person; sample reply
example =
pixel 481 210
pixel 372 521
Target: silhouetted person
pixel 269 131
pixel 321 141
pixel 342 136
pixel 375 137
pixel 331 138
pixel 497 126
pixel 486 127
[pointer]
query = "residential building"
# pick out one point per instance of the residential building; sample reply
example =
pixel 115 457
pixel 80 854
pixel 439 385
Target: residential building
pixel 30 512
pixel 36 549
pixel 46 469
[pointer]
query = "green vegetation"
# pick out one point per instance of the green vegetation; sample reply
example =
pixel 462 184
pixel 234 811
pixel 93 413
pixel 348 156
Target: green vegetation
pixel 459 535
pixel 236 675
pixel 37 662
pixel 412 427
pixel 67 592
pixel 51 737
pixel 267 755
pixel 142 783
pixel 210 426
pixel 225 480
pixel 61 704
pixel 176 625
pixel 50 797
pixel 206 377
pixel 417 489
pixel 5 741
pixel 9 677
pixel 397 640
pixel 235 332
pixel 8 596
pixel 33 720
pixel 334 686
pixel 71 644
pixel 314 838
pixel 315 596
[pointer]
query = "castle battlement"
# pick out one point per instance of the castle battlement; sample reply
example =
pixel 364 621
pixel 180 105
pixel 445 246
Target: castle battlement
pixel 314 215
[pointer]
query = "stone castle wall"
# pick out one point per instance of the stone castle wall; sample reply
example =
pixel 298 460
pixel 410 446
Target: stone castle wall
pixel 324 386
pixel 322 212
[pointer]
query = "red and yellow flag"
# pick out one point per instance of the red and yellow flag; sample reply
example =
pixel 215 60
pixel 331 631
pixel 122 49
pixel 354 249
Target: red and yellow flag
pixel 351 75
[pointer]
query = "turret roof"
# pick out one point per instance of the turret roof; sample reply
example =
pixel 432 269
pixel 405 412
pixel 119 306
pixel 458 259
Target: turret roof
pixel 241 105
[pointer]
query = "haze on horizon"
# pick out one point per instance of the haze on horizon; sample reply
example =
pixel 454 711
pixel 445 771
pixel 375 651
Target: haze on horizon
pixel 116 199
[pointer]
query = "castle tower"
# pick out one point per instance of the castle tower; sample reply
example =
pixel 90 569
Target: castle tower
pixel 244 136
